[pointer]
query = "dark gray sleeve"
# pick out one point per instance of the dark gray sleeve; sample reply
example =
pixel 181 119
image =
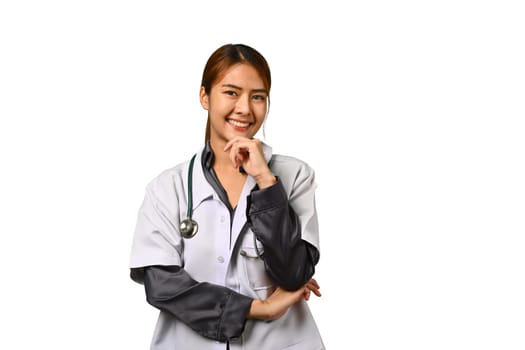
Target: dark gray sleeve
pixel 213 311
pixel 289 259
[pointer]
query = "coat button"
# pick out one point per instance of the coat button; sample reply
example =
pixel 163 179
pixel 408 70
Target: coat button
pixel 220 259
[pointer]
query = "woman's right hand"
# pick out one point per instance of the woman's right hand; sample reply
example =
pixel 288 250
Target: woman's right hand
pixel 280 300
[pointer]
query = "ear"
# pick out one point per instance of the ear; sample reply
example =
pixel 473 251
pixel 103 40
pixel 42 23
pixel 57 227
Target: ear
pixel 204 98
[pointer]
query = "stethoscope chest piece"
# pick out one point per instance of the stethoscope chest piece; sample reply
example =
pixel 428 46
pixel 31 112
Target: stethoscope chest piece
pixel 188 228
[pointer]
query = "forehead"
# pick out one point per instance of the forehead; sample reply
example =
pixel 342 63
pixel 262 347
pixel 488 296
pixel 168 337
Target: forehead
pixel 241 74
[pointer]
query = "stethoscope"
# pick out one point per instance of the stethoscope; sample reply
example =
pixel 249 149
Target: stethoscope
pixel 189 227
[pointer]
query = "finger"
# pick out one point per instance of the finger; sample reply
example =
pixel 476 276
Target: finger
pixel 313 281
pixel 233 141
pixel 315 291
pixel 307 294
pixel 238 154
pixel 312 284
pixel 314 288
pixel 235 155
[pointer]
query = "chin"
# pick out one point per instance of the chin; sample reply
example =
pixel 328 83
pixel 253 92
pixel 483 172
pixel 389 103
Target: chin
pixel 248 134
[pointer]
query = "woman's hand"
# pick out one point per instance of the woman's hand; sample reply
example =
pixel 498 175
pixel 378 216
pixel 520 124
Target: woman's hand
pixel 248 153
pixel 280 301
pixel 312 286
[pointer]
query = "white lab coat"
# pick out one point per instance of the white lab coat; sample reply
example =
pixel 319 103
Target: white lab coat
pixel 212 257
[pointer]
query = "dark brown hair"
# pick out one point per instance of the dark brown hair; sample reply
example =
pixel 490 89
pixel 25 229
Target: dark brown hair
pixel 225 57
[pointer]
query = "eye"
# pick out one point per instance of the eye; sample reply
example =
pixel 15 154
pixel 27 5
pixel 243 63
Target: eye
pixel 259 97
pixel 230 93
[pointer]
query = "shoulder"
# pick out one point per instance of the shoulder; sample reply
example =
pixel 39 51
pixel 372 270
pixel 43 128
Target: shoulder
pixel 289 164
pixel 296 176
pixel 291 170
pixel 168 180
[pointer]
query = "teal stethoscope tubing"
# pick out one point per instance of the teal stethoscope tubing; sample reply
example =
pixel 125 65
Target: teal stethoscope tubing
pixel 189 227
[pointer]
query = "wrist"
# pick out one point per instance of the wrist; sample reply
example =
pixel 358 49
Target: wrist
pixel 256 310
pixel 265 180
pixel 261 310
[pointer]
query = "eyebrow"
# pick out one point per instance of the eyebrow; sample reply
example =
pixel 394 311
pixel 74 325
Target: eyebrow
pixel 233 86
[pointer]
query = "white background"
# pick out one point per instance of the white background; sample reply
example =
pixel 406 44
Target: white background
pixel 411 112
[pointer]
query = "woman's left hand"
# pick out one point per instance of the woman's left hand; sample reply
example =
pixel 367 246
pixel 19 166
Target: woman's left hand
pixel 311 286
pixel 248 153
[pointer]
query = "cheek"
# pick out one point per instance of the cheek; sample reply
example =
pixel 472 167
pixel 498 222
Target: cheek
pixel 261 110
pixel 223 108
pixel 220 104
pixel 216 108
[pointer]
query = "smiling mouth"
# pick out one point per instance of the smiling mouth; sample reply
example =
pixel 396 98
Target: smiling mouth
pixel 237 124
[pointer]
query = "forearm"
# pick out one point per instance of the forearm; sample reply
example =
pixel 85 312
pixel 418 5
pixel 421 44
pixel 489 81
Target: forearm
pixel 213 311
pixel 289 260
pixel 280 301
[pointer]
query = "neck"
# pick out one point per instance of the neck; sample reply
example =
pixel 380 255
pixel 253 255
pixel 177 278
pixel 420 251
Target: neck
pixel 221 158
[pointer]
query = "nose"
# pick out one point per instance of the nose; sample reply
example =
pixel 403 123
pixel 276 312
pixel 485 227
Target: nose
pixel 242 106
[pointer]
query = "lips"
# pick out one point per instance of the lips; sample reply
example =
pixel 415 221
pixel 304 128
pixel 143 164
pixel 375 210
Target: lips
pixel 238 125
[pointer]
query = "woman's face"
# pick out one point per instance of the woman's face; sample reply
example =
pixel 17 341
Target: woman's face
pixel 236 105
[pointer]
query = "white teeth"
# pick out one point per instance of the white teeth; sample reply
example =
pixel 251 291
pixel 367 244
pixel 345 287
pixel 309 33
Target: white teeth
pixel 238 124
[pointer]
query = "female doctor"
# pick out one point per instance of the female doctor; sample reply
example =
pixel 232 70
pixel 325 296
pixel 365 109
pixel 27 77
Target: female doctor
pixel 226 243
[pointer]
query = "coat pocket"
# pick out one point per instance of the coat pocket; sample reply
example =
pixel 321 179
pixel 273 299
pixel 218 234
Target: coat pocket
pixel 253 264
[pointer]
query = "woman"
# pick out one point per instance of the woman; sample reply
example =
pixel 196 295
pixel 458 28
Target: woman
pixel 240 279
